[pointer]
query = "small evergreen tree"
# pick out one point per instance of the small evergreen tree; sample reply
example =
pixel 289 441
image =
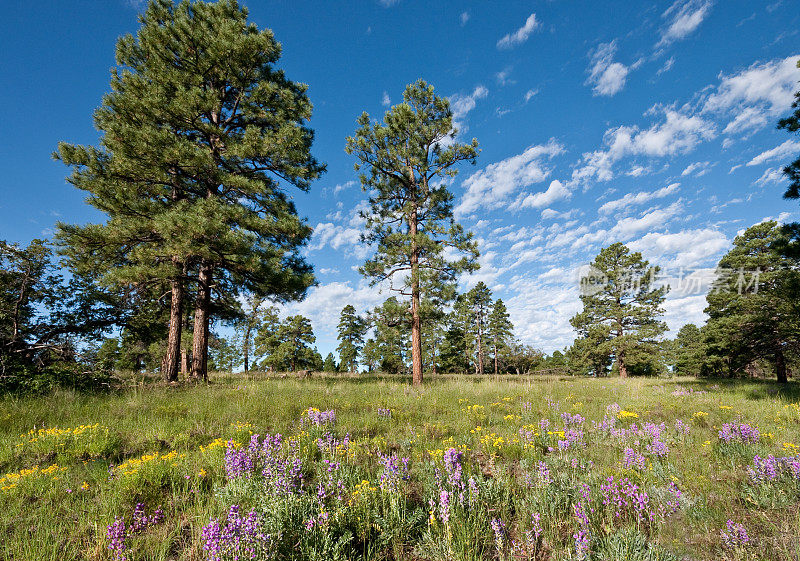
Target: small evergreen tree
pixel 329 365
pixel 500 331
pixel 624 308
pixel 351 329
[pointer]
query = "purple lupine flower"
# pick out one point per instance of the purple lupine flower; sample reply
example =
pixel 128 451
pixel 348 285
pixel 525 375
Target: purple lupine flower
pixel 741 432
pixel 736 535
pixel 117 535
pixel 393 473
pixel 444 506
pixel 499 529
pixel 658 448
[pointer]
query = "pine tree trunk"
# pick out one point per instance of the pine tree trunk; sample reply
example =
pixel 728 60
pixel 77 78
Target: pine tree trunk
pixel 780 365
pixel 201 327
pixel 184 361
pixel 170 362
pixel 480 345
pixel 623 368
pixel 495 357
pixel 416 334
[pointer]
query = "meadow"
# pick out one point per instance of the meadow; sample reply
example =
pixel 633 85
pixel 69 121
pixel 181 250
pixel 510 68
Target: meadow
pixel 370 468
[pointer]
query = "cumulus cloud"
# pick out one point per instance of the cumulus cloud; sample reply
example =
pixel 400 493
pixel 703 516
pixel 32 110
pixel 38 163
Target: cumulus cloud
pixel 520 35
pixel 529 95
pixel 782 151
pixel 491 187
pixel 678 133
pixel 606 76
pixel 684 249
pixel 464 18
pixel 556 191
pixel 631 199
pixel 386 100
pixel 683 18
pixel 754 96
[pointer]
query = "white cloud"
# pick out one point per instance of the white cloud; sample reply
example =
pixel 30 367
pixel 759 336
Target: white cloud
pixel 342 186
pixel 386 100
pixel 679 133
pixel 624 229
pixel 464 18
pixel 631 199
pixel 323 303
pixel 550 214
pixel 782 151
pixel 460 105
pixel 556 191
pixel 755 95
pixel 529 95
pixel 684 249
pixel 520 35
pixel 771 175
pixel 333 235
pixel 606 76
pixel 388 3
pixel 670 62
pixel 502 77
pixel 683 18
pixel 490 187
pixel 699 169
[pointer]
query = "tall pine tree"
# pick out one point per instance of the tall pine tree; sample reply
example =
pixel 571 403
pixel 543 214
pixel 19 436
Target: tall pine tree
pixel 408 159
pixel 200 135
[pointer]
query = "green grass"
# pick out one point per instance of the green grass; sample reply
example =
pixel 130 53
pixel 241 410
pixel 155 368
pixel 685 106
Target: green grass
pixel 64 513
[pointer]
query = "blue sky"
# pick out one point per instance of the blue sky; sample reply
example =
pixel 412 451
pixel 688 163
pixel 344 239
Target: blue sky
pixel 597 123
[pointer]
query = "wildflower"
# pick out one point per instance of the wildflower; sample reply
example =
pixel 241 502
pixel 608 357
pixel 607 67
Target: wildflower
pixel 499 529
pixel 117 535
pixel 736 535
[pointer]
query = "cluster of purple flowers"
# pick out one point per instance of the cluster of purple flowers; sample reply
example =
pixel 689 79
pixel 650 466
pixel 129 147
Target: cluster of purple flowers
pixel 141 521
pixel 736 535
pixel 681 428
pixel 572 420
pixel 118 532
pixel 499 529
pixel 658 449
pixel 117 536
pixel 572 439
pixel 741 432
pixel 384 412
pixel 452 486
pixel 240 537
pixel 527 407
pixel 395 470
pixel 680 391
pixel 583 535
pixel 329 444
pixel 527 549
pixel 772 468
pixel 318 418
pixel 280 466
pixel 625 497
pixel 633 459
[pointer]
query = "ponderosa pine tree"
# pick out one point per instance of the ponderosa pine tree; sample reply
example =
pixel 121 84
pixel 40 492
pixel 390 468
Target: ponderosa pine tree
pixel 408 159
pixel 625 305
pixel 480 301
pixel 351 331
pixel 329 364
pixel 293 350
pixel 499 330
pixel 754 305
pixel 200 135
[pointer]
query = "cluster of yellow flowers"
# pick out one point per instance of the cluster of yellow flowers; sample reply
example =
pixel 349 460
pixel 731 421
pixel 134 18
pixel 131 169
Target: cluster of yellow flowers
pixel 627 415
pixel 10 480
pixel 219 443
pixel 59 437
pixel 131 466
